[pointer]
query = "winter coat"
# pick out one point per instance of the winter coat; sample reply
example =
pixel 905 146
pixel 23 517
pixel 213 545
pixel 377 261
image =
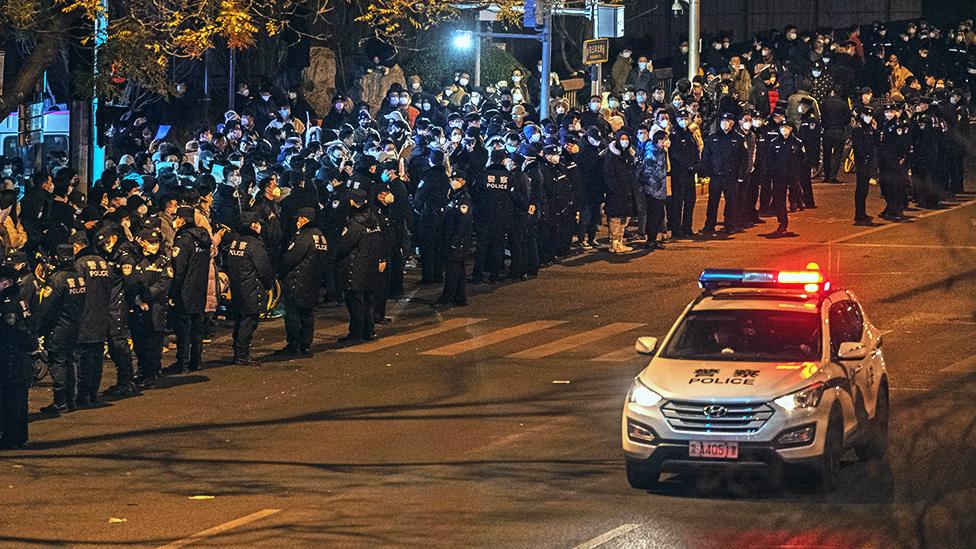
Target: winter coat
pixel 149 284
pixel 99 291
pixel 191 269
pixel 654 172
pixel 301 267
pixel 620 175
pixel 250 274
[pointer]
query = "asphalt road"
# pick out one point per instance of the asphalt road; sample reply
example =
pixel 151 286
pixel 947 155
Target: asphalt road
pixel 485 426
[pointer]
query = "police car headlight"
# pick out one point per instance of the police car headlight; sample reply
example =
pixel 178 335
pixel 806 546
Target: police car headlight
pixel 806 398
pixel 642 396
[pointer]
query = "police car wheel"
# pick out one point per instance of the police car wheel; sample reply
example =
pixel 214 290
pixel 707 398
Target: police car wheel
pixel 640 476
pixel 825 472
pixel 876 445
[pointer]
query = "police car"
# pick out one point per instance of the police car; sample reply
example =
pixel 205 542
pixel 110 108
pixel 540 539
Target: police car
pixel 766 369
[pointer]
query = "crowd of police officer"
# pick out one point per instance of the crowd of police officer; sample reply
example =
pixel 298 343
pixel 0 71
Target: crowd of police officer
pixel 269 213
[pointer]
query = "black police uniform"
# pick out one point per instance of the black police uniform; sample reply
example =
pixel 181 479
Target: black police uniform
pixel 360 248
pixel 429 201
pixel 785 159
pixel 496 188
pixel 149 284
pixel 864 140
pixel 927 134
pixel 537 198
pixel 810 133
pixel 456 232
pixel 95 324
pixel 59 314
pixel 685 158
pixel 594 190
pixel 121 260
pixel 893 147
pixel 251 275
pixel 332 219
pixel 723 160
pixel 191 275
pixel 558 192
pixel 301 268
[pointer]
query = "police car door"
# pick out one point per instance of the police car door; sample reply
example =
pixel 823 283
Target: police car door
pixel 847 326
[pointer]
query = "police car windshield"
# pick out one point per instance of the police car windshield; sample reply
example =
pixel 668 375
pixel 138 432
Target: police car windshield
pixel 746 335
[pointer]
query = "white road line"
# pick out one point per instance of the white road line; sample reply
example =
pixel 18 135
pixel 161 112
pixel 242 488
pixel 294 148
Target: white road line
pixel 850 244
pixel 620 355
pixel 605 537
pixel 576 340
pixel 399 339
pixel 964 366
pixel 492 338
pixel 220 528
pixel 873 230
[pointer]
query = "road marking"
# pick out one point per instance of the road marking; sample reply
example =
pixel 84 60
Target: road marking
pixel 576 340
pixel 221 528
pixel 873 230
pixel 449 324
pixel 492 338
pixel 850 244
pixel 620 355
pixel 964 366
pixel 603 538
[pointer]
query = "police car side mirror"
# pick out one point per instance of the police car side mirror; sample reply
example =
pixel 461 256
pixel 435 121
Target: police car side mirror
pixel 645 345
pixel 852 350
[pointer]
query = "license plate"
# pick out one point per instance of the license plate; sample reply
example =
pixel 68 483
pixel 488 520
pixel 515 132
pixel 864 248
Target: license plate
pixel 714 450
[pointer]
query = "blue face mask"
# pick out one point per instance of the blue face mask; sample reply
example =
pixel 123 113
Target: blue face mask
pixel 160 166
pixel 510 148
pixel 385 177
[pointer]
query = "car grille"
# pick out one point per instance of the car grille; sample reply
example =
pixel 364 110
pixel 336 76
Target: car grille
pixel 738 418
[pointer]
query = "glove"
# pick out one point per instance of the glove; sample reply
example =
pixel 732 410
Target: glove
pixel 872 181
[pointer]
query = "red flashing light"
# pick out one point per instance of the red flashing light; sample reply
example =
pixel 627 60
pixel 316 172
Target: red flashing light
pixel 800 277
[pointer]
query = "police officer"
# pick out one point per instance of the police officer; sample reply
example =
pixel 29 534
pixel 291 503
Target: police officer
pixel 331 221
pixel 301 275
pixel 149 284
pixel 864 140
pixel 535 191
pixel 684 156
pixel 497 187
pixel 95 325
pixel 893 147
pixel 785 157
pixel 191 275
pixel 429 202
pixel 59 314
pixel 558 191
pixel 723 160
pixel 117 251
pixel 251 276
pixel 927 134
pixel 456 231
pixel 810 134
pixel 360 248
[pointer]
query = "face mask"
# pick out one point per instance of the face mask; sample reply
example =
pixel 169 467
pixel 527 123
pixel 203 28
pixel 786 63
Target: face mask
pixel 684 49
pixel 463 81
pixel 889 115
pixel 614 104
pixel 952 100
pixel 475 99
pixel 385 177
pixel 625 55
pixel 237 163
pixel 456 138
pixel 826 60
pixel 510 149
pixel 427 106
pixel 816 74
pixel 265 96
pixel 536 137
pixel 641 99
pixel 594 106
pixel 746 126
pixel 292 95
pixel 791 36
pixel 394 101
pixel 717 46
pixel 677 103
pixel 867 119
pixel 234 180
pixel 784 132
pixel 276 192
pixel 404 101
pixel 624 144
pixel 516 78
pixel 517 98
pixel 642 66
pixel 7 172
pixel 663 124
pixel 682 123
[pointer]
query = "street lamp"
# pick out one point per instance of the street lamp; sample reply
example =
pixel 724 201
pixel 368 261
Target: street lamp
pixel 694 32
pixel 463 40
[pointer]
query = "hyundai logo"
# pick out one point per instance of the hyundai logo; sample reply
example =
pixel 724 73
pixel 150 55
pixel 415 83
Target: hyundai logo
pixel 715 411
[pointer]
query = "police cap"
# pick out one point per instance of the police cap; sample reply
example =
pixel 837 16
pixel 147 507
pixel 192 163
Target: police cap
pixel 307 213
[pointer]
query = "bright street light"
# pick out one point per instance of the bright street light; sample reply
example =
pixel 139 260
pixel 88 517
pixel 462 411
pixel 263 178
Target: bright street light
pixel 463 40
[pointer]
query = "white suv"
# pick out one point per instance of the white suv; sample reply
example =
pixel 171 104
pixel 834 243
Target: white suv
pixel 765 369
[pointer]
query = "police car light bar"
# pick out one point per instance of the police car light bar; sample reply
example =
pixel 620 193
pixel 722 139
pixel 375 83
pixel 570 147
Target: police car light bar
pixel 808 280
